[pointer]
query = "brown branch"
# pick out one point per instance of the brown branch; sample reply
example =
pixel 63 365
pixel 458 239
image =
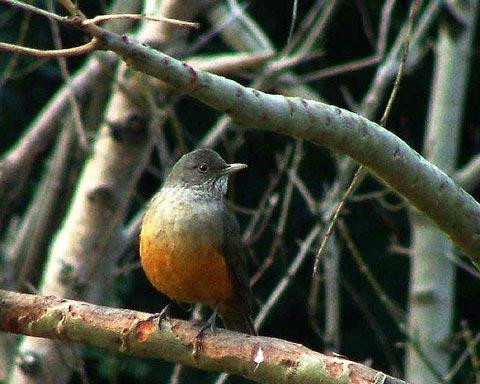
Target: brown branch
pixel 262 359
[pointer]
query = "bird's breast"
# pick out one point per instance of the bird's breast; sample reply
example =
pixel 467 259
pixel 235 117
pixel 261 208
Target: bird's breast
pixel 181 248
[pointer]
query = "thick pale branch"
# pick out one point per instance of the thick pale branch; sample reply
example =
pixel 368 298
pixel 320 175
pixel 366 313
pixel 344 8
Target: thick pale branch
pixel 387 156
pixel 262 359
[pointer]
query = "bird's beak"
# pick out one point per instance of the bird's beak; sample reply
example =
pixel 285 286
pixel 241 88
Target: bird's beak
pixel 232 168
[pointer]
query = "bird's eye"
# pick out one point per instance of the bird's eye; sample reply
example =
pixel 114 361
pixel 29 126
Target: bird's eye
pixel 203 167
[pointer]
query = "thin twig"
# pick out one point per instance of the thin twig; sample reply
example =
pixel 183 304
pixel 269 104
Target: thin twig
pixel 384 26
pixel 293 22
pixel 319 27
pixel 359 175
pixel 467 267
pixel 175 375
pixel 282 221
pixel 134 16
pixel 336 70
pixel 289 275
pixel 362 171
pixel 62 62
pixel 304 26
pixel 403 60
pixel 366 21
pixel 33 9
pixel 393 308
pixel 374 324
pixel 470 351
pixel 304 191
pixel 91 46
pixel 249 236
pixel 12 62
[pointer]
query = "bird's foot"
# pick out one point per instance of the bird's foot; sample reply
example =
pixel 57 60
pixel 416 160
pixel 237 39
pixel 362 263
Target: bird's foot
pixel 164 314
pixel 210 323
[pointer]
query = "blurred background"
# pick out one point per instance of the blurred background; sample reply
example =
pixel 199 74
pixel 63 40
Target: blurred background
pixel 86 142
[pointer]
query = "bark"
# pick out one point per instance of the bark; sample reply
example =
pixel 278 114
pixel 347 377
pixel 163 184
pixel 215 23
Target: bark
pixel 261 359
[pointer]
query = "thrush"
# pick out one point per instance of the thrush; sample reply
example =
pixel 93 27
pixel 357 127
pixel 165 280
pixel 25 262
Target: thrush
pixel 190 243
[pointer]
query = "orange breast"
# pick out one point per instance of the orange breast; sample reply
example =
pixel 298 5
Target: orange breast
pixel 183 268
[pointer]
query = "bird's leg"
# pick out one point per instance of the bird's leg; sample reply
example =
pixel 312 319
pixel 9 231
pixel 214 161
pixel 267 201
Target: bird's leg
pixel 162 315
pixel 210 323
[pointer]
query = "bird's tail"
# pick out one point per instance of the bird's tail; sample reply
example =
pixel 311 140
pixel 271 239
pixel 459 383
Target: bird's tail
pixel 236 320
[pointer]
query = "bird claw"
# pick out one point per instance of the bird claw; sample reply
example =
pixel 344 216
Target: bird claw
pixel 197 342
pixel 210 323
pixel 164 314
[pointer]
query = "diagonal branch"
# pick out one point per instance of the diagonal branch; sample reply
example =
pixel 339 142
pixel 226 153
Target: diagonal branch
pixel 262 359
pixel 425 186
pixel 386 155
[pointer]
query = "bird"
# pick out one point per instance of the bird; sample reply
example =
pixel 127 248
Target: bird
pixel 190 243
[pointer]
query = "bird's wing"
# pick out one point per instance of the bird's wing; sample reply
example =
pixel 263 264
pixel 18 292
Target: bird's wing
pixel 236 259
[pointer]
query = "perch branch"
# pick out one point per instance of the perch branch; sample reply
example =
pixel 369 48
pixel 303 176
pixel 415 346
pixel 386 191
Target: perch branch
pixel 262 359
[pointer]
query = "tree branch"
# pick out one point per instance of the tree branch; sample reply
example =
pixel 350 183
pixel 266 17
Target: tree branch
pixel 91 46
pixel 469 176
pixel 424 185
pixel 262 359
pixel 16 164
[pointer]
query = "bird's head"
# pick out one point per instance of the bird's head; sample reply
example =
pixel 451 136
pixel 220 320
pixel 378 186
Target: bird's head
pixel 202 170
